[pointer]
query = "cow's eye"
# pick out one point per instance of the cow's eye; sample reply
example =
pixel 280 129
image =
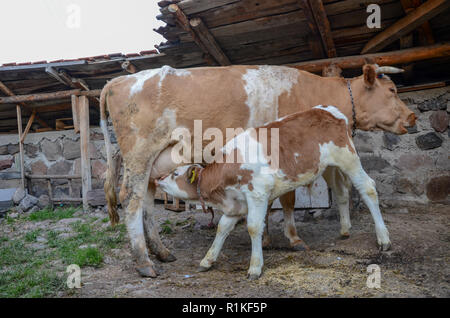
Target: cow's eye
pixel 175 174
pixel 392 90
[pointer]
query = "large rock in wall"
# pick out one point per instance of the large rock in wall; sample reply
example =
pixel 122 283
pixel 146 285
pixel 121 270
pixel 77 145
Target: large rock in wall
pixel 413 168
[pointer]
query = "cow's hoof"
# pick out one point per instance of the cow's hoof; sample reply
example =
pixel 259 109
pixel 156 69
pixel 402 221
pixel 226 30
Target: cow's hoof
pixel 203 269
pixel 345 236
pixel 300 247
pixel 167 259
pixel 253 276
pixel 384 246
pixel 146 271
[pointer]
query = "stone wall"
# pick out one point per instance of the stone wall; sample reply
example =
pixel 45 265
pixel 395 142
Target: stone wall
pixel 52 153
pixel 414 168
pixel 410 169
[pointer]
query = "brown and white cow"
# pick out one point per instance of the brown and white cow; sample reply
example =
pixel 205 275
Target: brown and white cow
pixel 310 142
pixel 147 106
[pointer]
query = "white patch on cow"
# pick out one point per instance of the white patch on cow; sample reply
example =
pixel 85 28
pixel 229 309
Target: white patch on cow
pixel 296 155
pixel 143 76
pixel 264 86
pixel 333 111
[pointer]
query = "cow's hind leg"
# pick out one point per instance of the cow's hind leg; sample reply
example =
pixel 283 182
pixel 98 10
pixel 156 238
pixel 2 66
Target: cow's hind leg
pixel 340 186
pixel 152 229
pixel 366 188
pixel 133 193
pixel 266 235
pixel 225 226
pixel 288 203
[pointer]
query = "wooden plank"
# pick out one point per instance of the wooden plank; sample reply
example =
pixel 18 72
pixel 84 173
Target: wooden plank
pixel 385 58
pixel 22 166
pixel 53 177
pixel 314 39
pixel 425 32
pixel 405 25
pixel 84 145
pixel 27 128
pixel 48 96
pixel 75 113
pixel 420 87
pixel 209 41
pixel 323 26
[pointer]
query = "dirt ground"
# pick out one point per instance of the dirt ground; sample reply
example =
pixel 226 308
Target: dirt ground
pixel 417 265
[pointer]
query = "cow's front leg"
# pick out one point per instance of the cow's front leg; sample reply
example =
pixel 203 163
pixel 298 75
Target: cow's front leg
pixel 340 186
pixel 152 229
pixel 266 235
pixel 288 203
pixel 225 226
pixel 257 209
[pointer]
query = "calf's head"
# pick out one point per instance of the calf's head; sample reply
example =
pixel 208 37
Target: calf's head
pixel 377 103
pixel 182 182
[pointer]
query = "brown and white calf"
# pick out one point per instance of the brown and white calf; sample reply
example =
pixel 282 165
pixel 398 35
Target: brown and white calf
pixel 310 142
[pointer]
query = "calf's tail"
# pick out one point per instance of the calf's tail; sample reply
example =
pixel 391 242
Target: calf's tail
pixel 109 186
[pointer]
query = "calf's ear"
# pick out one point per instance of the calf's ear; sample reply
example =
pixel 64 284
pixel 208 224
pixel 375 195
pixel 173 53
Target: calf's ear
pixel 192 174
pixel 370 75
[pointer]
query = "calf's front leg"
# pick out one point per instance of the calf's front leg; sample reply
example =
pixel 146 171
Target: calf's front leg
pixel 225 226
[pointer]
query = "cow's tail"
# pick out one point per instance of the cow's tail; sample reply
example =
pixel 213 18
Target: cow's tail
pixel 109 186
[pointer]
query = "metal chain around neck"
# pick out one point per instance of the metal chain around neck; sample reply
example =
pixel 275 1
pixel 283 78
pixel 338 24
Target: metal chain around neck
pixel 353 108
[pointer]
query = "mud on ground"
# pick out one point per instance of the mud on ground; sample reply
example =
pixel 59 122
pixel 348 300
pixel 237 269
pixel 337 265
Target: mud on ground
pixel 417 265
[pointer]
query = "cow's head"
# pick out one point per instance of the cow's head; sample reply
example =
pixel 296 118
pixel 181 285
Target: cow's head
pixel 182 182
pixel 377 103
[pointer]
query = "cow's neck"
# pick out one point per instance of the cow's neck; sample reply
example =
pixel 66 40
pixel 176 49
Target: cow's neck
pixel 319 90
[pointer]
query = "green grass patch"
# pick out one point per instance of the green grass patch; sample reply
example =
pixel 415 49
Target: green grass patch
pixel 32 236
pixel 25 273
pixel 50 214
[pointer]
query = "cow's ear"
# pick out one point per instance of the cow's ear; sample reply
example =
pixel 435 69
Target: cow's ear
pixel 370 75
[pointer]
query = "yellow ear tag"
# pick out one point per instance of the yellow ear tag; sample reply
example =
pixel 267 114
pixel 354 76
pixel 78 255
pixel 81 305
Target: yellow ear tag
pixel 193 176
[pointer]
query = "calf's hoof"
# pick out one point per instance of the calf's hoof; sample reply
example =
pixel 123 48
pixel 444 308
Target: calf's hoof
pixel 345 235
pixel 203 269
pixel 146 271
pixel 167 258
pixel 253 276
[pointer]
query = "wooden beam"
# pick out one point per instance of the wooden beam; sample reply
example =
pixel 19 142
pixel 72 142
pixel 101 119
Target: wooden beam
pixel 209 41
pixel 19 125
pixel 385 58
pixel 420 87
pixel 425 32
pixel 84 145
pixel 27 128
pixel 8 92
pixel 183 22
pixel 323 26
pixel 315 41
pixel 405 25
pixel 48 96
pixel 76 113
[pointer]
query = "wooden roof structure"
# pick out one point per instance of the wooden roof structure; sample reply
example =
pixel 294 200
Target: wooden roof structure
pixel 308 34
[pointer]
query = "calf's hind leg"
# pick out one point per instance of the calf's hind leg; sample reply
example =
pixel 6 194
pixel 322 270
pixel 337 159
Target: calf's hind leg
pixel 366 188
pixel 288 203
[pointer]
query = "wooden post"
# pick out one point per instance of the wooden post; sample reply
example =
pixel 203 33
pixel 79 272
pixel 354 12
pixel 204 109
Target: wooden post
pixel 83 103
pixel 19 126
pixel 75 114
